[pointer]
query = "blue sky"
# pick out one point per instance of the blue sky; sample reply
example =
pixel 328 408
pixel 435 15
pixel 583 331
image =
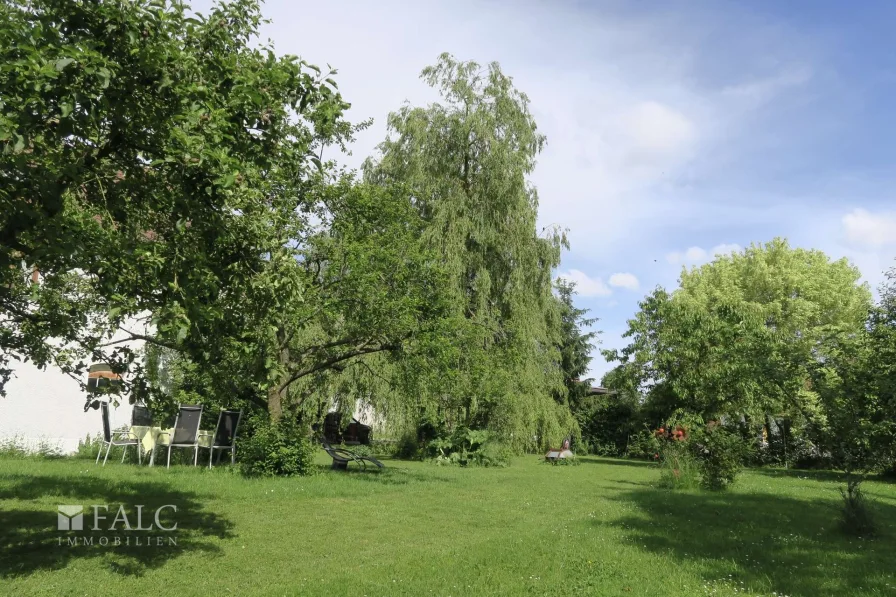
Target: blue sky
pixel 675 129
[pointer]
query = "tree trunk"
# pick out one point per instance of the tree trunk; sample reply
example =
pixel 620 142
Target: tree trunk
pixel 275 392
pixel 275 403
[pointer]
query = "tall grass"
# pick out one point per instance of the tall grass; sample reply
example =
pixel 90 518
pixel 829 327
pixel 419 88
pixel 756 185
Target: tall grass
pixel 678 467
pixel 857 516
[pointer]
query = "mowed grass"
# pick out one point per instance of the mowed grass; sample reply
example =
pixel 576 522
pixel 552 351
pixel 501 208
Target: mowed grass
pixel 601 528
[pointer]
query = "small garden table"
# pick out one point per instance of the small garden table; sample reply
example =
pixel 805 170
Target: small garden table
pixel 150 437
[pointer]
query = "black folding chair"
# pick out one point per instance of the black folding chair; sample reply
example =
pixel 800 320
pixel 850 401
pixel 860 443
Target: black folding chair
pixel 225 435
pixel 186 432
pixel 114 438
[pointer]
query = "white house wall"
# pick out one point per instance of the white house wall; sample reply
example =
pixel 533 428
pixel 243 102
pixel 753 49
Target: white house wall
pixel 47 407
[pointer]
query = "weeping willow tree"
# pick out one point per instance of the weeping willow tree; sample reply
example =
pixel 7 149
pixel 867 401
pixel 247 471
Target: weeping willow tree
pixel 466 159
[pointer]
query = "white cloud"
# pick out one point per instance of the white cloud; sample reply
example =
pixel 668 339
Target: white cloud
pixel 624 280
pixel 698 255
pixel 870 230
pixel 656 127
pixel 725 249
pixel 762 90
pixel 620 95
pixel 585 285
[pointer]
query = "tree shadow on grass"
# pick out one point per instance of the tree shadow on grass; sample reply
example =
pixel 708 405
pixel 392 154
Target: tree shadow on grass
pixel 816 475
pixel 390 475
pixel 768 542
pixel 614 461
pixel 636 483
pixel 31 541
pixel 813 475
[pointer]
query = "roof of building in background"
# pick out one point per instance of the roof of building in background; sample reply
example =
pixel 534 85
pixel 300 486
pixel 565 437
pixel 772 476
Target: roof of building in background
pixel 600 390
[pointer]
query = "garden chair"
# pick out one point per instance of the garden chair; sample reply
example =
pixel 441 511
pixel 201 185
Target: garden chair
pixel 186 432
pixel 141 416
pixel 225 435
pixel 341 457
pixel 114 438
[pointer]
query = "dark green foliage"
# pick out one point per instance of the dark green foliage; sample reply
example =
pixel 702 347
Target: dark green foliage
pixel 158 153
pixel 607 424
pixel 276 449
pixel 575 347
pixel 857 389
pixel 408 447
pixel 158 161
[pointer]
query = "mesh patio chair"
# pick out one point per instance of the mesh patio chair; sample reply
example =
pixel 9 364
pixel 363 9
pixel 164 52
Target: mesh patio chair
pixel 115 438
pixel 225 435
pixel 186 431
pixel 141 416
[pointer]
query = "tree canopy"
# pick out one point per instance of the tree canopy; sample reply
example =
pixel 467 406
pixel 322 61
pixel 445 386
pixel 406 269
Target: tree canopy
pixel 857 390
pixel 159 165
pixel 466 161
pixel 164 181
pixel 742 334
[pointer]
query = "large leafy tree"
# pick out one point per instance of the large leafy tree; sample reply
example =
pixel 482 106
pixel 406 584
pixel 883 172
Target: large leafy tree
pixel 466 162
pixel 857 387
pixel 159 165
pixel 743 334
pixel 150 153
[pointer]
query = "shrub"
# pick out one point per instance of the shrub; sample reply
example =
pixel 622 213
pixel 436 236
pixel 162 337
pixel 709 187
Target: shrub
pixel 276 449
pixel 492 453
pixel 572 461
pixel 19 447
pixel 467 447
pixel 359 449
pixel 46 449
pixel 643 445
pixel 598 448
pixel 688 449
pixel 13 447
pixel 89 447
pixel 857 517
pixel 607 423
pixel 408 447
pixel 720 454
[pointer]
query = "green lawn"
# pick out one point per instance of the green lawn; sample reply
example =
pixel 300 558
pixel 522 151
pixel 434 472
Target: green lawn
pixel 600 528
